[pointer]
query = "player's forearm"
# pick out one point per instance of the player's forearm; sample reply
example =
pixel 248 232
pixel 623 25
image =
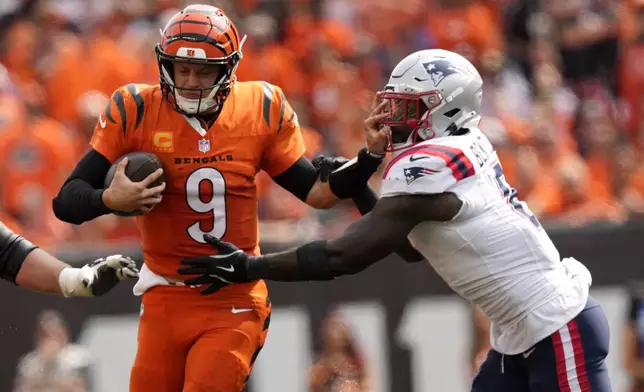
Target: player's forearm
pixel 320 196
pixel 307 262
pixel 79 202
pixel 40 272
pixel 351 253
pixel 81 197
pixel 302 179
pixel 351 178
pixel 365 203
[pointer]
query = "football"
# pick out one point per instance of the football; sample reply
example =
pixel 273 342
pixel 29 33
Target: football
pixel 139 166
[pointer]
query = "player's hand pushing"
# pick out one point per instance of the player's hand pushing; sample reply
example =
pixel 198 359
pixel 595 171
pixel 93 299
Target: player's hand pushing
pixel 230 265
pixel 127 196
pixel 377 137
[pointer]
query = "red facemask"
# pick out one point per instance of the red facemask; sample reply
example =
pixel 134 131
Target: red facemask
pixel 407 112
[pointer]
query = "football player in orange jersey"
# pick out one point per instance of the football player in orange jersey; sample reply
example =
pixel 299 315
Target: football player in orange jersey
pixel 213 134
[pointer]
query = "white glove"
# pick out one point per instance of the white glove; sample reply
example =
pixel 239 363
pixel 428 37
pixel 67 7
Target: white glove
pixel 577 270
pixel 98 277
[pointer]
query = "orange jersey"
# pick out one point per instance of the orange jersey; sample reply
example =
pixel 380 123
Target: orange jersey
pixel 210 178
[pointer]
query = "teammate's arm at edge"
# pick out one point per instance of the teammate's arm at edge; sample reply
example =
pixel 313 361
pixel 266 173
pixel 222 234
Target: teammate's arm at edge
pixel 24 264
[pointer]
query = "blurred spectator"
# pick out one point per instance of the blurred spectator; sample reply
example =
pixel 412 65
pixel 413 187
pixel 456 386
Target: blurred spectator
pixel 55 365
pixel 340 367
pixel 633 338
pixel 588 35
pixel 469 28
pixel 633 192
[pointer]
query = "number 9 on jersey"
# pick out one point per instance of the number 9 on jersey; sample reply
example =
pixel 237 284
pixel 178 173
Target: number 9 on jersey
pixel 213 208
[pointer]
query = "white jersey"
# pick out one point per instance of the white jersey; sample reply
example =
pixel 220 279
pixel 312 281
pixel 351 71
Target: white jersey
pixel 494 253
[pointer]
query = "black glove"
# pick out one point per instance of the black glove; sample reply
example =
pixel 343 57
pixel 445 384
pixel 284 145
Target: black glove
pixel 328 164
pixel 230 265
pixel 346 178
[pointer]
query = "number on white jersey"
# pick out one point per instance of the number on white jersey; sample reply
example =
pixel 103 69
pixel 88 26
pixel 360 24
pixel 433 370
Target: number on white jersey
pixel 511 195
pixel 215 207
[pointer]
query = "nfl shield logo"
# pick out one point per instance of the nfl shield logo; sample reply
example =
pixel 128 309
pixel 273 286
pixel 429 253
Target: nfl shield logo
pixel 204 145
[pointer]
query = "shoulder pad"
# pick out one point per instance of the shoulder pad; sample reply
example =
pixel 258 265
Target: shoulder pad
pixel 127 106
pixel 426 169
pixel 276 111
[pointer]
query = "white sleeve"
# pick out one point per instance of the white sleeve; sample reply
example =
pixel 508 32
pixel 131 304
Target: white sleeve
pixel 425 170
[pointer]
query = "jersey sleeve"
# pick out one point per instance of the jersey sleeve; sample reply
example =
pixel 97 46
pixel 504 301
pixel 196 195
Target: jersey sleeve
pixel 428 169
pixel 286 144
pixel 123 114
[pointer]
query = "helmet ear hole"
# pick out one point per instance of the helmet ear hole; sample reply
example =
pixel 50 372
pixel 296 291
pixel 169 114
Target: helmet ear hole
pixel 452 113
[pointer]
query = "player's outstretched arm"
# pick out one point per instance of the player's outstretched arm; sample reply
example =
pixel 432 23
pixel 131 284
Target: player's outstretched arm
pixel 24 264
pixel 325 180
pixel 368 240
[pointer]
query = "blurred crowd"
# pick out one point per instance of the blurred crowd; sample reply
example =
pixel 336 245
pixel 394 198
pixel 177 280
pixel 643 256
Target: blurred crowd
pixel 55 364
pixel 562 95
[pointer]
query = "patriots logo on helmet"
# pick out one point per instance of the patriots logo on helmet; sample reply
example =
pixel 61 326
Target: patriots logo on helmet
pixel 414 173
pixel 440 69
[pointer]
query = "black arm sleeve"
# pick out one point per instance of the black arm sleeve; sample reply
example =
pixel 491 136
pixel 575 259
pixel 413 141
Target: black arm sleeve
pixel 81 197
pixel 13 251
pixel 299 178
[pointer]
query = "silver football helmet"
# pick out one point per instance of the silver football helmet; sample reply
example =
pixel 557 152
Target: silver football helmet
pixel 432 94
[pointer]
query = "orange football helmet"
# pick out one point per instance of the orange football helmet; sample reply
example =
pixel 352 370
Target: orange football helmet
pixel 199 34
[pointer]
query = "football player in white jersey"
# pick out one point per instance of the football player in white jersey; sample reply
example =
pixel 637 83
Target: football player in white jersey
pixel 444 190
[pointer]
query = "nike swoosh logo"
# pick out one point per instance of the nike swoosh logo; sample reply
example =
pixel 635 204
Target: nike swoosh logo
pixel 220 278
pixel 527 353
pixel 413 158
pixel 227 269
pixel 240 310
pixel 101 121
